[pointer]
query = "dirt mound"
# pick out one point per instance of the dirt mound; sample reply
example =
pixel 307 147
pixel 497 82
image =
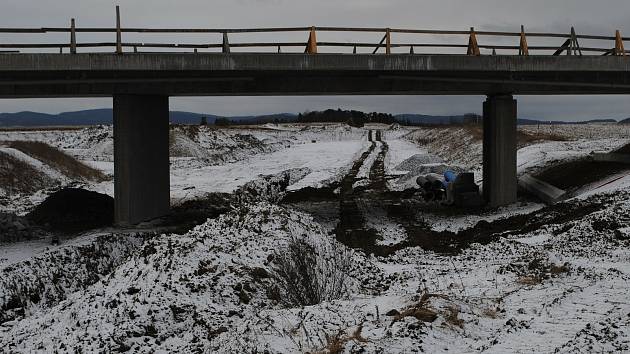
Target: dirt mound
pixel 74 210
pixel 57 159
pixel 418 162
pixel 17 176
pixel 15 228
pixel 624 150
pixel 578 173
pixel 182 145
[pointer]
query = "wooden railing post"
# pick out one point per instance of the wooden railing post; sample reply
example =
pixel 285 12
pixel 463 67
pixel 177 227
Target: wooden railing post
pixel 226 43
pixel 523 49
pixel 473 47
pixel 73 37
pixel 574 46
pixel 619 49
pixel 388 42
pixel 411 50
pixel 118 32
pixel 380 44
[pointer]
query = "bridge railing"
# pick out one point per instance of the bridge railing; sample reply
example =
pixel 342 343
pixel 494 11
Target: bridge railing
pixel 567 43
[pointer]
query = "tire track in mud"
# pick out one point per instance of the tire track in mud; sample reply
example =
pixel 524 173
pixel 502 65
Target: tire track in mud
pixel 351 228
pixel 351 219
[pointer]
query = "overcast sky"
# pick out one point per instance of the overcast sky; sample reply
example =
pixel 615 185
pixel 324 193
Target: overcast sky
pixel 587 16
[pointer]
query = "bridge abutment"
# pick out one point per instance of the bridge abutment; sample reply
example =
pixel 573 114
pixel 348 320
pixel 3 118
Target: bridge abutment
pixel 499 150
pixel 141 164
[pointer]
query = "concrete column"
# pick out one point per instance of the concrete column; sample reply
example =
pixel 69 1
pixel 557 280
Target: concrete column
pixel 141 165
pixel 499 150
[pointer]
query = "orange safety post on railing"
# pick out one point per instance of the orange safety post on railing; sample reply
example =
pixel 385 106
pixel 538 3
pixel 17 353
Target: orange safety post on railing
pixel 473 47
pixel 523 49
pixel 619 49
pixel 311 45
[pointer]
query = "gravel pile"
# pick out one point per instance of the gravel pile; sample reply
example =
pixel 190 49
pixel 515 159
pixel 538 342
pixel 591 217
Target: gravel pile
pixel 417 162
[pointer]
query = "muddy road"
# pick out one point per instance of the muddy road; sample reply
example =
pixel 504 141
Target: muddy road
pixel 355 209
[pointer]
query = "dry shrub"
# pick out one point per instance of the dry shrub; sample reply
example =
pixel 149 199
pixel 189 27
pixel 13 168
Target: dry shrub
pixel 56 158
pixel 307 272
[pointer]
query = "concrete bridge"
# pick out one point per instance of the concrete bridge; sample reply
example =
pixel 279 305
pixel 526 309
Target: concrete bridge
pixel 141 84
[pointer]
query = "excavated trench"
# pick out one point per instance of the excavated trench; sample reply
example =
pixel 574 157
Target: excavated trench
pixel 355 204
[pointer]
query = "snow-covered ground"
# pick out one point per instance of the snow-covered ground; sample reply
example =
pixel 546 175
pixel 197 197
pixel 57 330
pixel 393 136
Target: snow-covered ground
pixel 536 279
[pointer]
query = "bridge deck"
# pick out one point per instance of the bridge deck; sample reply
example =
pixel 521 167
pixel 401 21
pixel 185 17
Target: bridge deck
pixel 104 74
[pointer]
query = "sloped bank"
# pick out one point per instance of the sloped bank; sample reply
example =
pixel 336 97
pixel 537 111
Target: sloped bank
pixel 47 279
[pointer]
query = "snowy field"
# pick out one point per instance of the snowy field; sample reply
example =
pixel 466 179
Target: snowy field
pixel 382 270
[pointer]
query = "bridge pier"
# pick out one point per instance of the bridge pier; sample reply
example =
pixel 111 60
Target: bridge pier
pixel 499 150
pixel 141 165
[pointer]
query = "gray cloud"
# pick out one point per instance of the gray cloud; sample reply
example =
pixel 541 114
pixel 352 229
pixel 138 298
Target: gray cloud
pixel 593 17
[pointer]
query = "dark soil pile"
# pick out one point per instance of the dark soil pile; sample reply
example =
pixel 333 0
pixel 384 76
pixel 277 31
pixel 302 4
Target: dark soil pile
pixel 194 212
pixel 624 150
pixel 74 210
pixel 14 228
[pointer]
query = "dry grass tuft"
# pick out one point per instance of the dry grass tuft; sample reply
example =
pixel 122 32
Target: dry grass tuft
pixel 490 312
pixel 59 160
pixel 527 138
pixel 555 269
pixel 452 316
pixel 336 343
pixel 420 310
pixel 529 280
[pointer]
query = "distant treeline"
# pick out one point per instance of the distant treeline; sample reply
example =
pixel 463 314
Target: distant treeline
pixel 352 117
pixel 422 120
pixel 358 118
